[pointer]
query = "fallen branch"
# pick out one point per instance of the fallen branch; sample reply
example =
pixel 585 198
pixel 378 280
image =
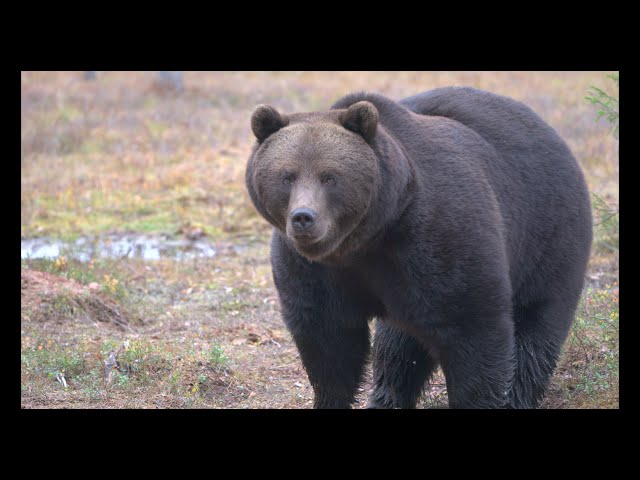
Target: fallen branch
pixel 111 363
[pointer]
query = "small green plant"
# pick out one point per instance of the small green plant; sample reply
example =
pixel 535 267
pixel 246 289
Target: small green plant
pixel 174 382
pixel 90 383
pixel 217 358
pixel 121 380
pixel 608 105
pixel 114 288
pixel 606 225
pixel 196 387
pixel 143 362
pixel 592 350
pixel 47 359
pixel 136 351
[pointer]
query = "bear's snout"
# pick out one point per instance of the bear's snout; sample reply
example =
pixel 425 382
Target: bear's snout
pixel 307 228
pixel 302 219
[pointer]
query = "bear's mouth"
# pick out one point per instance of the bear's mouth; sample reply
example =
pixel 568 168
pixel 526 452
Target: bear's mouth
pixel 313 247
pixel 305 239
pixel 314 243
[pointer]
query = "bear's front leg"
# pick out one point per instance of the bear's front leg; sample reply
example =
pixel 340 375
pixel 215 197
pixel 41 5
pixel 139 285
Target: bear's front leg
pixel 334 361
pixel 327 324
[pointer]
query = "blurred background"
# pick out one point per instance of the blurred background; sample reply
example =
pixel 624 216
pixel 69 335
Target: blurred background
pixel 145 267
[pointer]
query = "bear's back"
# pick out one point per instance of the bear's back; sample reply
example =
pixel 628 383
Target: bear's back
pixel 537 181
pixel 526 145
pixel 509 126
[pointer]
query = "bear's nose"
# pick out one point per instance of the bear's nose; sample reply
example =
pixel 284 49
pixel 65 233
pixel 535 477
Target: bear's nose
pixel 303 219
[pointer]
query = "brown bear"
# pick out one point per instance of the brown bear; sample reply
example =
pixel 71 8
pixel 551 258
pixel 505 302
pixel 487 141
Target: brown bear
pixel 457 218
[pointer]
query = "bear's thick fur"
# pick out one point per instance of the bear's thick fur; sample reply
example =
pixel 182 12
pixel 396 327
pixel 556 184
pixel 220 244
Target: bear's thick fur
pixel 457 218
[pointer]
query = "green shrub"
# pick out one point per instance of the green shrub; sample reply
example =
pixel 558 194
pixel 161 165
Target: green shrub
pixel 608 105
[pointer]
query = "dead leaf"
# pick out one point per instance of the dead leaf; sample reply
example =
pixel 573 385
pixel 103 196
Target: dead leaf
pixel 276 334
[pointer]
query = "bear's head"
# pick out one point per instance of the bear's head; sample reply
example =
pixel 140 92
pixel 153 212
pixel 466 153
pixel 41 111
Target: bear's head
pixel 314 175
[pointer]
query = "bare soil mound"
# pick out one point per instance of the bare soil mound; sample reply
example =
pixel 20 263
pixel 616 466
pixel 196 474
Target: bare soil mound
pixel 51 298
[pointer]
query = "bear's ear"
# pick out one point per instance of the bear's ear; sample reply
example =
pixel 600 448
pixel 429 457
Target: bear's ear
pixel 362 118
pixel 266 120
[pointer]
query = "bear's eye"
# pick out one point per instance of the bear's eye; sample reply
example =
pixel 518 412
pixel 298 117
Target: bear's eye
pixel 328 180
pixel 288 179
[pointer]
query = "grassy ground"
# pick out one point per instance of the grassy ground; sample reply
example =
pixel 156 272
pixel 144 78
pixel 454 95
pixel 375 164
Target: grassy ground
pixel 122 155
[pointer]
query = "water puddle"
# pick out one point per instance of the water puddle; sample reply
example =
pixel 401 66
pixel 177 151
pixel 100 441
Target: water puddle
pixel 146 247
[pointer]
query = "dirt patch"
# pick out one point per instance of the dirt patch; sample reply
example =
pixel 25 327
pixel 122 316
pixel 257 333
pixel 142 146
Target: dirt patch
pixel 51 298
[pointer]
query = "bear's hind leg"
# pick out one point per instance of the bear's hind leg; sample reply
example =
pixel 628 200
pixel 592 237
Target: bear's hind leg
pixel 541 330
pixel 401 366
pixel 478 364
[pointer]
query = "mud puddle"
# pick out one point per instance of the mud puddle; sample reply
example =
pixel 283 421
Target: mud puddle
pixel 146 247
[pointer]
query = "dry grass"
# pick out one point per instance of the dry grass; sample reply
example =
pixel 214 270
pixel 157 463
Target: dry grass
pixel 117 154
